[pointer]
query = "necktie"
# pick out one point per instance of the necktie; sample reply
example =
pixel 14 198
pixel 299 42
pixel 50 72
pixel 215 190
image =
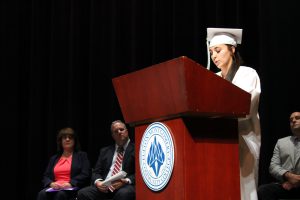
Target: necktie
pixel 117 165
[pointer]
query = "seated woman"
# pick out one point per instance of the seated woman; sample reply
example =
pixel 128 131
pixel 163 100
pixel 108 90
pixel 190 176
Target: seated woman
pixel 67 170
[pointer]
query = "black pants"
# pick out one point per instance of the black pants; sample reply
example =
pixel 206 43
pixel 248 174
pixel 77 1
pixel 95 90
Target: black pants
pixel 274 191
pixel 127 192
pixel 60 195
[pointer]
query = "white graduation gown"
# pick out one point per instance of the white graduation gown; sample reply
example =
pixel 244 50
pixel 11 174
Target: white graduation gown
pixel 247 79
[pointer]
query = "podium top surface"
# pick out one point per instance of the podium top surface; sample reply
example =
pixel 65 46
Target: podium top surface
pixel 178 88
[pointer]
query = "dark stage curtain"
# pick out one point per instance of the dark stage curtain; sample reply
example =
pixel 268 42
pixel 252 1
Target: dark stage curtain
pixel 59 57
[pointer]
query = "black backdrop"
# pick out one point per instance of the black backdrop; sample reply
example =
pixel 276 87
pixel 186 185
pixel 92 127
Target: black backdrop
pixel 59 56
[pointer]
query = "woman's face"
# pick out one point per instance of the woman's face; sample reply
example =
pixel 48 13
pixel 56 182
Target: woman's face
pixel 222 55
pixel 68 142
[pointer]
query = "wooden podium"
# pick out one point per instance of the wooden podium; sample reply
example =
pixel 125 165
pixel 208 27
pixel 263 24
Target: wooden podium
pixel 201 111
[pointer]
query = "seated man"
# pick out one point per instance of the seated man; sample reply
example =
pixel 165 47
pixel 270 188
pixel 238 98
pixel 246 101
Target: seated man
pixel 285 166
pixel 111 160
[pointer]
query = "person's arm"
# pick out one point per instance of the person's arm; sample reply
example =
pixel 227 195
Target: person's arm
pixel 103 164
pixel 81 170
pixel 249 81
pixel 292 179
pixel 48 176
pixel 102 167
pixel 275 169
pixel 130 167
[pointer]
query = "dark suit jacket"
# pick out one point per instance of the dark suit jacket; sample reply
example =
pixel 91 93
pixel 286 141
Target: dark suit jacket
pixel 105 158
pixel 80 170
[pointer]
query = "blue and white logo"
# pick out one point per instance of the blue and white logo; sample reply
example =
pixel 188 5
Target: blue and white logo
pixel 156 156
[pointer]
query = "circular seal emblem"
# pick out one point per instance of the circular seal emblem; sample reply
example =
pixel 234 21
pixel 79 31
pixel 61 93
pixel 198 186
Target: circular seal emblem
pixel 156 156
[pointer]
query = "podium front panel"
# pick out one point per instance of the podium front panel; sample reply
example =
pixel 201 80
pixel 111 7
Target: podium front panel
pixel 205 167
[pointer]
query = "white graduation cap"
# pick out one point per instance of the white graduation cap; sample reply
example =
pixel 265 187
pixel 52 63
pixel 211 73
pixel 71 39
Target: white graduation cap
pixel 216 36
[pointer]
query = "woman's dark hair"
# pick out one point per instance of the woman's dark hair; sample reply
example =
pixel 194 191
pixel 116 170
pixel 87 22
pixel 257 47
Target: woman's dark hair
pixel 70 132
pixel 237 62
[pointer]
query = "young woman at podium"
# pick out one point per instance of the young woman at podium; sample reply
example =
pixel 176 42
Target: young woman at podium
pixel 222 45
